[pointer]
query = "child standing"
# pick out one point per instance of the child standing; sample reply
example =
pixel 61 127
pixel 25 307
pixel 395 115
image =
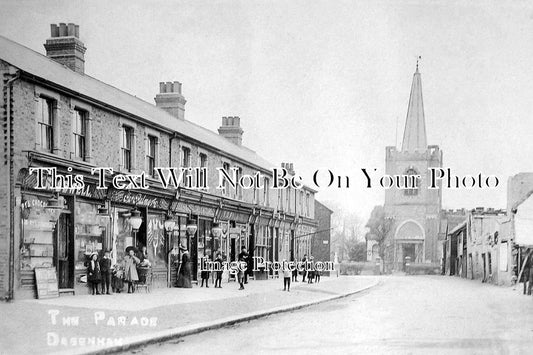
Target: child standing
pixel 218 264
pixel 105 268
pixel 93 274
pixel 287 273
pixel 205 273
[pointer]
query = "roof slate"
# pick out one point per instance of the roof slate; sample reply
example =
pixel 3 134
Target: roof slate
pixel 43 67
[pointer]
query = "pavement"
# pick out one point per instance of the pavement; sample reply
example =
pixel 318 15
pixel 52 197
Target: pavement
pixel 85 324
pixel 401 315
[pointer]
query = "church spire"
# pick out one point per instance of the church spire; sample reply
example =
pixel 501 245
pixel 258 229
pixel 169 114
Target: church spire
pixel 414 135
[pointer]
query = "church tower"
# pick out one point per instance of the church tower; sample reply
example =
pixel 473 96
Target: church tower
pixel 415 211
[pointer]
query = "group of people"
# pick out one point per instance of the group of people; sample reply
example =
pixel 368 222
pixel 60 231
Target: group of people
pixel 185 270
pixel 218 273
pixel 288 274
pixel 103 277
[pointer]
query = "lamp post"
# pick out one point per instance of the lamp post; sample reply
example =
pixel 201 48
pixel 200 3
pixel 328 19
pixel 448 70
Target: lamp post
pixel 135 221
pixel 169 225
pixel 191 227
pixel 216 230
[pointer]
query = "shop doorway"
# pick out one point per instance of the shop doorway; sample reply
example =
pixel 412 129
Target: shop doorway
pixel 64 251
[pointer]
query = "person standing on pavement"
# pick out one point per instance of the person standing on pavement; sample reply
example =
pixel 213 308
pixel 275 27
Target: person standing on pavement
pixel 295 274
pixel 105 267
pixel 218 265
pixel 304 264
pixel 185 273
pixel 241 269
pixel 243 257
pixel 93 274
pixel 311 272
pixel 205 273
pixel 286 276
pixel 130 268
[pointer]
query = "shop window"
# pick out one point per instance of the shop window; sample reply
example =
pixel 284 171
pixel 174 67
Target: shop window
pixel 156 241
pixel 127 147
pixel 45 124
pixel 38 224
pixel 151 143
pixel 79 133
pixel 89 232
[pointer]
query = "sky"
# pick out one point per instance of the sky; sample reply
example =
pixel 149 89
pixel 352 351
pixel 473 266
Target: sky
pixel 323 84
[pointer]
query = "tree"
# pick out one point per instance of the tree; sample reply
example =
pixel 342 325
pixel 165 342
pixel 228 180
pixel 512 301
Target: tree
pixel 379 227
pixel 356 249
pixel 347 230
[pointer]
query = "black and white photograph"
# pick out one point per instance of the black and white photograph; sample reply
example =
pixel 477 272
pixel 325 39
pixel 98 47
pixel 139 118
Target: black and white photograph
pixel 266 177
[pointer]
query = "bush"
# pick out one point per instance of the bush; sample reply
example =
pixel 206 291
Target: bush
pixel 351 268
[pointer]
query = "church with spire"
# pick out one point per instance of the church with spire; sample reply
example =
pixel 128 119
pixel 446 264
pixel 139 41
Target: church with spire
pixel 415 212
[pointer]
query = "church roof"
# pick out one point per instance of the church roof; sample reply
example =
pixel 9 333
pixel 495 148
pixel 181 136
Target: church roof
pixel 414 135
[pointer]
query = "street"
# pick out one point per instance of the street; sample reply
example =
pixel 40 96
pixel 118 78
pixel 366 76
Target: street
pixel 420 314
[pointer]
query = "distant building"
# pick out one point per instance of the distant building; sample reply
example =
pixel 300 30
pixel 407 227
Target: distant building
pixel 320 247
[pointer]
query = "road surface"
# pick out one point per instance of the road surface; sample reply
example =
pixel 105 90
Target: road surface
pixel 404 314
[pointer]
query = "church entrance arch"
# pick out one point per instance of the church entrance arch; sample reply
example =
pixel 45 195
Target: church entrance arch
pixel 409 242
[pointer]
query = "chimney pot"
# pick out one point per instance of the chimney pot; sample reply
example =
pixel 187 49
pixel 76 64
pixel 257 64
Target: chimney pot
pixel 71 30
pixel 54 30
pixel 177 87
pixel 77 31
pixel 162 87
pixel 62 30
pixel 169 87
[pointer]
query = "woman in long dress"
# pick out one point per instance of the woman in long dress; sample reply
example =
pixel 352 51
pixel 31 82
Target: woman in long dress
pixel 130 269
pixel 185 272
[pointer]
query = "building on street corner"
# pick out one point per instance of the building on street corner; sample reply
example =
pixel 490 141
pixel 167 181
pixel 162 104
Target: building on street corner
pixel 55 115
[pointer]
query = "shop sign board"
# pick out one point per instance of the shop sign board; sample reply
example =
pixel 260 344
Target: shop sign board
pixel 138 199
pixel 46 280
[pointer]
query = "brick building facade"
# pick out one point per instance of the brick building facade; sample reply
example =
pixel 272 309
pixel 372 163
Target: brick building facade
pixel 54 115
pixel 321 241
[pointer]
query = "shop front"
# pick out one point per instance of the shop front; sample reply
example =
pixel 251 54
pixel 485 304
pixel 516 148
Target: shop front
pixel 138 220
pixel 60 228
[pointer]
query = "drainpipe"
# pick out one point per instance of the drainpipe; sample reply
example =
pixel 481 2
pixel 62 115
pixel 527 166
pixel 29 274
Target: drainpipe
pixel 10 193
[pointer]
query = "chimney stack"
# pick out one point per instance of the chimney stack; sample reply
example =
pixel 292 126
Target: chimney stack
pixel 289 167
pixel 231 129
pixel 170 99
pixel 65 47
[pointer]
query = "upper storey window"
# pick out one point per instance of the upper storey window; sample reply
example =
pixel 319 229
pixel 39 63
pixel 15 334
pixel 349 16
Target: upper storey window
pixel 45 124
